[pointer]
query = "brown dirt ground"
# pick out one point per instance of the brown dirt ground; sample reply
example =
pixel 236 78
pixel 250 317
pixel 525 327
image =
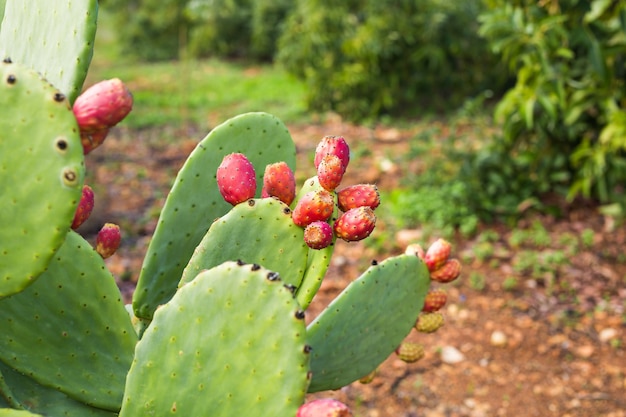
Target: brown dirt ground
pixel 563 348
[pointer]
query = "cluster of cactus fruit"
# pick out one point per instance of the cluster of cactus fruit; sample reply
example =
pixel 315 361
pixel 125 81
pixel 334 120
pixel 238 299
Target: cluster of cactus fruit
pixel 217 321
pixel 236 179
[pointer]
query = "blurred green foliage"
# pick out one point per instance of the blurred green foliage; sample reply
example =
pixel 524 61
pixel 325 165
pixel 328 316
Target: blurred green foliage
pixel 149 30
pixel 364 58
pixel 564 121
pixel 236 28
pixel 156 30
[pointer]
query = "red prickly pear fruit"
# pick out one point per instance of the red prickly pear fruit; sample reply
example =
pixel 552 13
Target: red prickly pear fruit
pixel 333 145
pixel 318 235
pixel 313 206
pixel 448 272
pixel 279 181
pixel 437 254
pixel 236 178
pixel 324 407
pixel 85 207
pixel 108 240
pixel 410 352
pixel 416 250
pixel 92 140
pixel 435 299
pixel 330 172
pixel 359 195
pixel 355 224
pixel 103 105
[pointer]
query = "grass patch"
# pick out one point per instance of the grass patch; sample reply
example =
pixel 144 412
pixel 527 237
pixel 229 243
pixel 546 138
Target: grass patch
pixel 203 93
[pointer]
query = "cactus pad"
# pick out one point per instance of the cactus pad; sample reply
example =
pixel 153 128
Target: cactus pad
pixel 69 330
pixel 229 343
pixel 53 37
pixel 195 202
pixel 50 402
pixel 317 260
pixel 17 413
pixel 366 322
pixel 41 174
pixel 258 231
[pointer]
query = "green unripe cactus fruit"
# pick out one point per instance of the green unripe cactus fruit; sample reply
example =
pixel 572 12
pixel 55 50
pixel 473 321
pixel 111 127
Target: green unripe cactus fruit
pixel 229 343
pixel 69 330
pixel 195 202
pixel 53 37
pixel 366 322
pixel 41 174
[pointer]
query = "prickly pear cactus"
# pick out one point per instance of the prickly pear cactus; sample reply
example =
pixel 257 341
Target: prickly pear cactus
pixel 231 342
pixel 53 37
pixel 366 322
pixel 17 413
pixel 317 260
pixel 41 174
pixel 195 202
pixel 69 330
pixel 257 231
pixel 26 393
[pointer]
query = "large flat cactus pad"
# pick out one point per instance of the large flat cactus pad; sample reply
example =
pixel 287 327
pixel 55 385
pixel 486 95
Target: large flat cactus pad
pixel 230 343
pixel 41 174
pixel 53 37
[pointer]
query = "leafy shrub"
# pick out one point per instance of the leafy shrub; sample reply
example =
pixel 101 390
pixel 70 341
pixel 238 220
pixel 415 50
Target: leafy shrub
pixel 363 58
pixel 564 120
pixel 159 30
pixel 220 27
pixel 149 29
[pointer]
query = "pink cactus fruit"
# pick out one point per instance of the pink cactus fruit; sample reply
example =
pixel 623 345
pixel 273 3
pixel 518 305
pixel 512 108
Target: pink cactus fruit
pixel 416 250
pixel 355 224
pixel 437 254
pixel 330 172
pixel 279 181
pixel 85 207
pixel 236 178
pixel 103 105
pixel 313 206
pixel 324 407
pixel 108 240
pixel 448 272
pixel 358 195
pixel 332 145
pixel 318 235
pixel 92 140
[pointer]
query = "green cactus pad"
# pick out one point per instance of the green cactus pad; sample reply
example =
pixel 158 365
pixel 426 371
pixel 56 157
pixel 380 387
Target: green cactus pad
pixel 366 322
pixel 195 202
pixel 317 260
pixel 230 343
pixel 17 413
pixel 47 401
pixel 258 231
pixel 53 37
pixel 41 175
pixel 69 330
